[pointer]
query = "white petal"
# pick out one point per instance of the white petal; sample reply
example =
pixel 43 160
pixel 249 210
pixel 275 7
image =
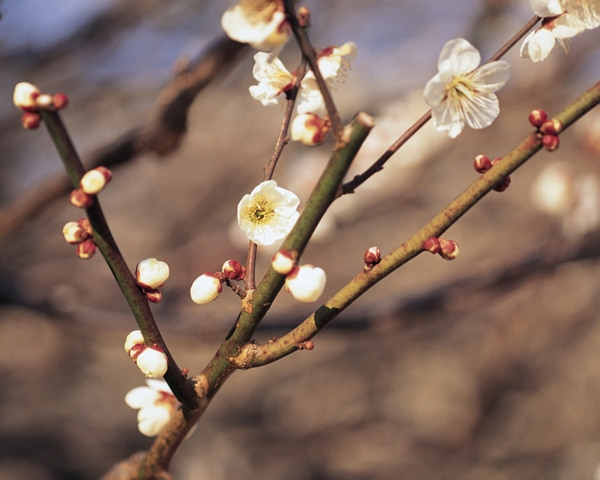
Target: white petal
pixel 141 397
pixel 493 75
pixel 567 26
pixel 151 420
pixel 541 44
pixel 546 8
pixel 158 385
pixel 458 56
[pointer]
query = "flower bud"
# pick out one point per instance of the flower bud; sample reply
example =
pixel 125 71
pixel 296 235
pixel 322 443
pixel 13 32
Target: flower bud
pixel 482 164
pixel 310 129
pixel 551 127
pixel 432 245
pixel 303 15
pixel 496 161
pixel 372 256
pixel 503 185
pixel 74 234
pixel 306 283
pixel 95 180
pixel 133 339
pixel 206 288
pixel 85 224
pixel 233 270
pixel 80 199
pixel 282 262
pixel 449 249
pixel 60 100
pixel 151 273
pixel 550 142
pixel 44 101
pixel 86 249
pixel 153 296
pixel 31 121
pixel 537 117
pixel 25 95
pixel 153 362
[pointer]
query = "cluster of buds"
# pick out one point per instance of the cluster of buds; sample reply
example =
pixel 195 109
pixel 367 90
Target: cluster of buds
pixel 151 274
pixel 447 249
pixel 28 98
pixel 151 360
pixel 80 233
pixel 208 286
pixel 547 130
pixel 482 164
pixel 371 258
pixel 306 282
pixel 91 184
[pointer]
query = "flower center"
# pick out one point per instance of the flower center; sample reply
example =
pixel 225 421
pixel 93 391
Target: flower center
pixel 460 87
pixel 260 212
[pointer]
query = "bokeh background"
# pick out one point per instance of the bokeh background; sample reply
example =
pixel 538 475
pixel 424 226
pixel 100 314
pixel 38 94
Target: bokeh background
pixel 484 368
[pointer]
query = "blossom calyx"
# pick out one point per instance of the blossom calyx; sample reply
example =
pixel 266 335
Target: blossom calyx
pixel 282 262
pixel 24 96
pixel 233 270
pixel 86 249
pixel 153 296
pixel 95 180
pixel 80 199
pixel 306 283
pixel 151 273
pixel 309 128
pixel 448 249
pixel 206 288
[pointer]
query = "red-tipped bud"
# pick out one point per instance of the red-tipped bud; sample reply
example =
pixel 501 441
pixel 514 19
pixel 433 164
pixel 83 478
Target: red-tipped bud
pixel 84 223
pixel 151 273
pixel 482 163
pixel 282 262
pixel 80 199
pixel 95 180
pixel 503 185
pixel 60 100
pixel 153 296
pixel 44 101
pixel 551 127
pixel 74 234
pixel 206 288
pixel 303 15
pixel 372 257
pixel 308 345
pixel 537 117
pixel 496 161
pixel 25 95
pixel 31 121
pixel 550 142
pixel 233 270
pixel 86 249
pixel 449 249
pixel 310 129
pixel 432 245
pixel 106 172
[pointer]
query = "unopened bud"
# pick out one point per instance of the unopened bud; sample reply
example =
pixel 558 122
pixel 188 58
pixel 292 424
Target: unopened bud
pixel 206 288
pixel 551 127
pixel 153 296
pixel 25 95
pixel 282 262
pixel 74 234
pixel 60 100
pixel 233 270
pixel 537 117
pixel 432 245
pixel 151 273
pixel 306 283
pixel 44 101
pixel 303 15
pixel 134 338
pixel 310 129
pixel 503 185
pixel 550 142
pixel 153 362
pixel 482 163
pixel 95 180
pixel 80 199
pixel 372 256
pixel 449 249
pixel 31 121
pixel 85 224
pixel 86 249
pixel 496 161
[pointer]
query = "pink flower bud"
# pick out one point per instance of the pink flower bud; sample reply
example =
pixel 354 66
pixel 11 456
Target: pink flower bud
pixel 537 117
pixel 449 249
pixel 80 199
pixel 482 164
pixel 282 262
pixel 153 362
pixel 233 270
pixel 74 234
pixel 44 101
pixel 151 273
pixel 306 283
pixel 134 338
pixel 432 245
pixel 84 223
pixel 93 182
pixel 310 129
pixel 551 127
pixel 206 288
pixel 25 95
pixel 153 296
pixel 86 249
pixel 550 142
pixel 60 100
pixel 31 121
pixel 503 185
pixel 372 256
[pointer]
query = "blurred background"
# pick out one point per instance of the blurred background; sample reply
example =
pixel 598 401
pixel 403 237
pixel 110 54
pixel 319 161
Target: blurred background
pixel 481 368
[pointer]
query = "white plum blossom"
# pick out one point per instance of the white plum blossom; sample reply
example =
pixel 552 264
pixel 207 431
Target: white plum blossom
pixel 151 273
pixel 540 43
pixel 24 96
pixel 273 79
pixel 306 283
pixel 205 288
pixel 584 12
pixel 261 23
pixel 152 362
pixel 268 213
pixel 334 61
pixel 463 93
pixel 156 404
pixel 310 99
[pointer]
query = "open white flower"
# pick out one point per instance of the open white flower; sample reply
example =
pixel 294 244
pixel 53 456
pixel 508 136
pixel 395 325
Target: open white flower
pixel 462 93
pixel 540 43
pixel 268 213
pixel 584 12
pixel 273 79
pixel 334 61
pixel 261 23
pixel 156 404
pixel 310 99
